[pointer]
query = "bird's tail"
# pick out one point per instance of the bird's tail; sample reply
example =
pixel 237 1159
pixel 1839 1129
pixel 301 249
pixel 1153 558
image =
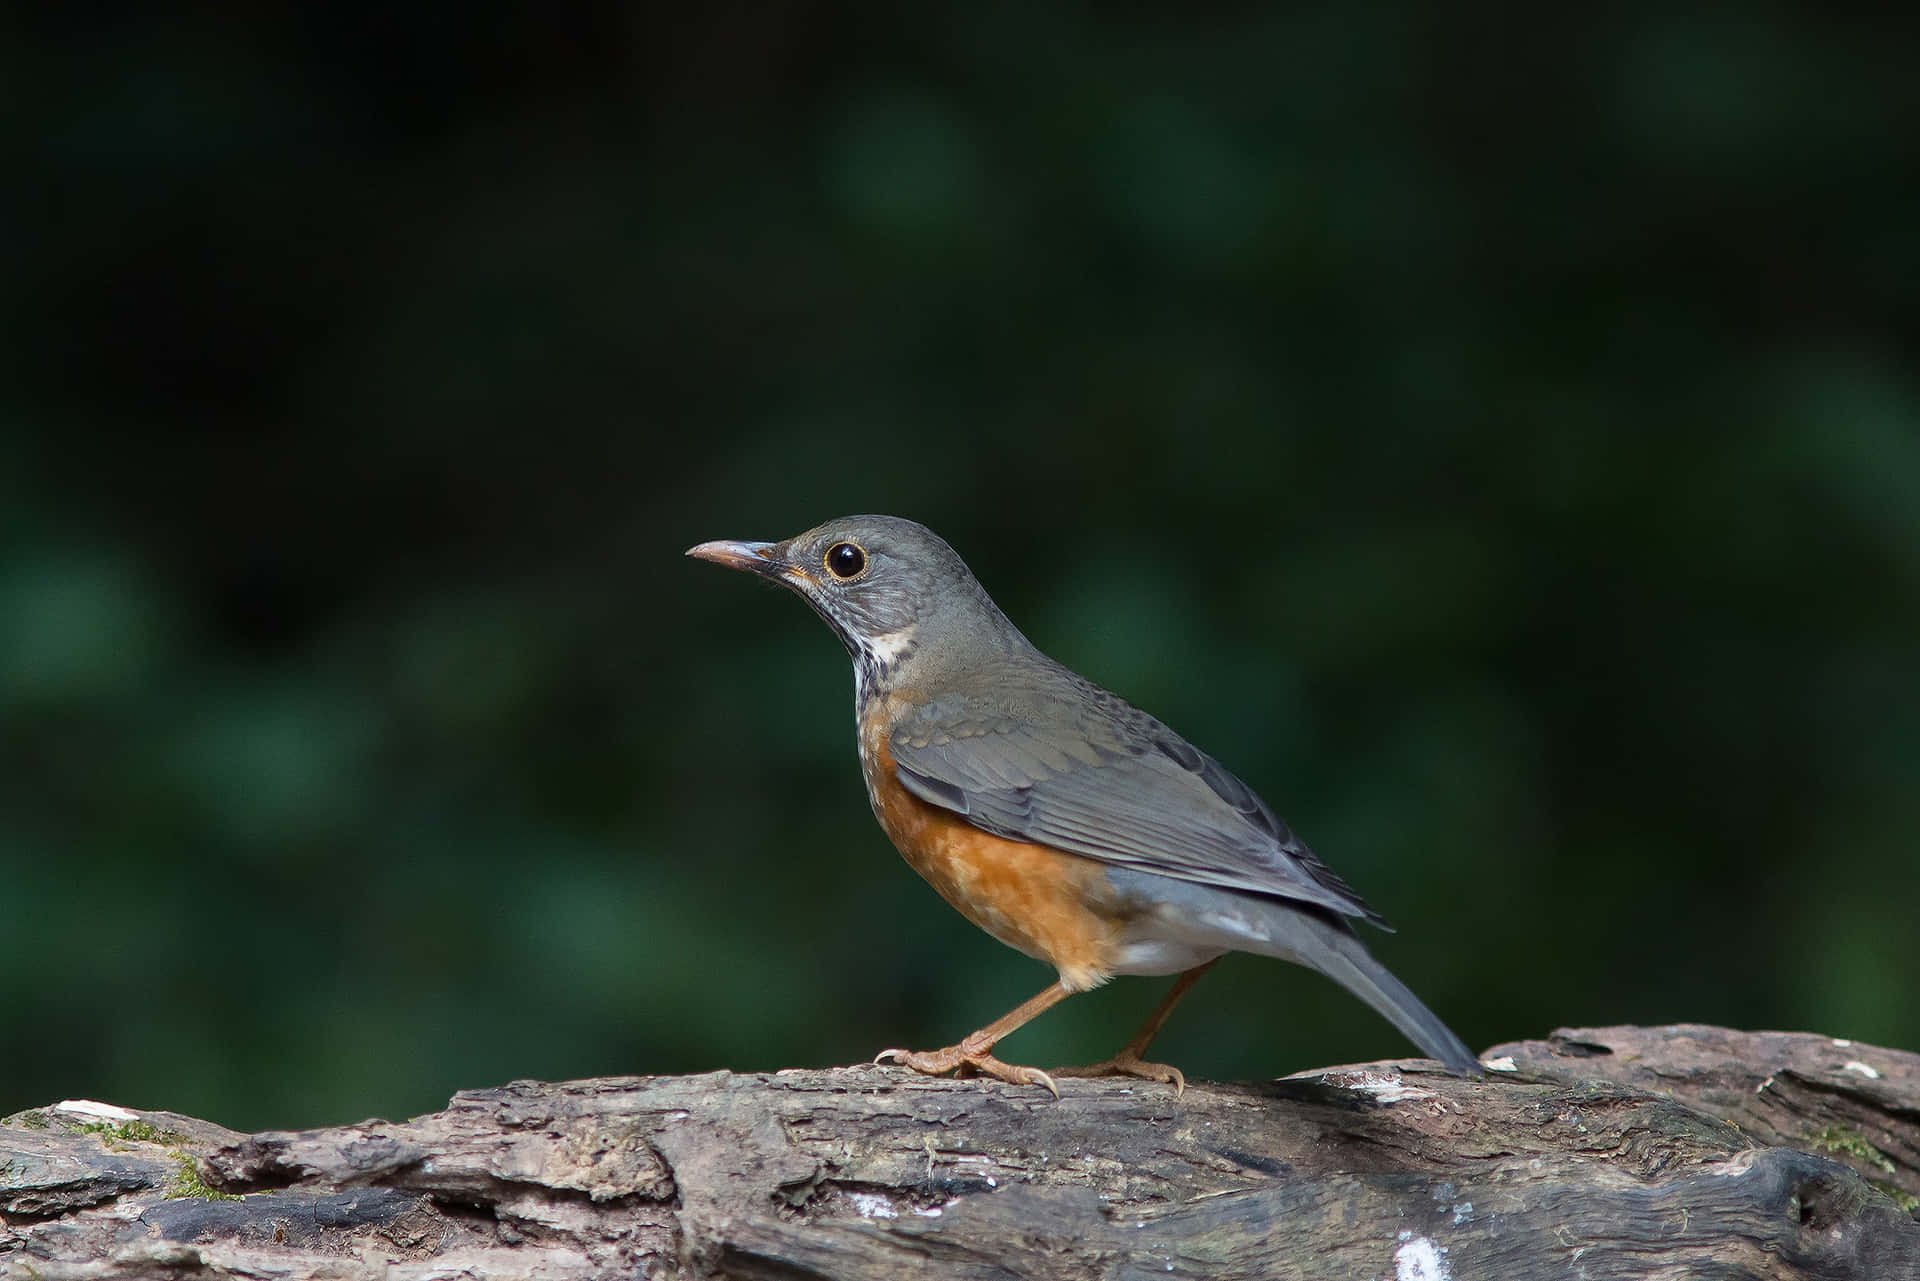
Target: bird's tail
pixel 1323 942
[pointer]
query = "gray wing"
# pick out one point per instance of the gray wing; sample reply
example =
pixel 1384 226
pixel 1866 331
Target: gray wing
pixel 1095 776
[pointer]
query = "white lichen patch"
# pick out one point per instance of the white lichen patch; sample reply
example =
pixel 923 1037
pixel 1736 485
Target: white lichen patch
pixel 1737 1164
pixel 871 1205
pixel 1871 1073
pixel 1502 1064
pixel 1419 1259
pixel 104 1111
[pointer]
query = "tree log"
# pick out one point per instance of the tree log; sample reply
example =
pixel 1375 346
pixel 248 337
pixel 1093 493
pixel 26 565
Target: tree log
pixel 1614 1152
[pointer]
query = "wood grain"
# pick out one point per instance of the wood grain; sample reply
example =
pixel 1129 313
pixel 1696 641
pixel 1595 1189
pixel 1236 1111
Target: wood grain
pixel 1598 1153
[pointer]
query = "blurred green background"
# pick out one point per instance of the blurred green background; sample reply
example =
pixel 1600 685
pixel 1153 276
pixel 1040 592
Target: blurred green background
pixel 1499 443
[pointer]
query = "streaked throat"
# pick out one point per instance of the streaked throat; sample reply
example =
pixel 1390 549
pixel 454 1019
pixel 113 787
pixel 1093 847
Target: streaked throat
pixel 878 657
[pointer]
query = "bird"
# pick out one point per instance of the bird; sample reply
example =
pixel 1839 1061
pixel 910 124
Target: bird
pixel 1053 814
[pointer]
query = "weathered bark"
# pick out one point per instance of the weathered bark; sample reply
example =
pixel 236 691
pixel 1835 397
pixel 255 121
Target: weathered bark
pixel 1615 1152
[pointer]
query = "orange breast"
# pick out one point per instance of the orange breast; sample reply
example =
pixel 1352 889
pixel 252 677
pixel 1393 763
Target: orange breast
pixel 1054 906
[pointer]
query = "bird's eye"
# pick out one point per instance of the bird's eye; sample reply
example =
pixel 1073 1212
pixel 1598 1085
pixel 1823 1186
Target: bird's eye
pixel 846 560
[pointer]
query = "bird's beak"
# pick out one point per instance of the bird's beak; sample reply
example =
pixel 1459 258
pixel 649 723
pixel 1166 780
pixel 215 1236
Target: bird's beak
pixel 757 558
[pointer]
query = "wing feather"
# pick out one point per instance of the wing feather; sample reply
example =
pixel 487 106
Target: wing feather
pixel 1111 783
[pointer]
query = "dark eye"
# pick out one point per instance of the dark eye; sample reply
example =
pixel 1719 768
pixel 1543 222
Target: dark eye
pixel 845 560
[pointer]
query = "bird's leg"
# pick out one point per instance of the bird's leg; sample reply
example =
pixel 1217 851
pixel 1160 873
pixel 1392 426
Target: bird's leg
pixel 1128 1062
pixel 975 1051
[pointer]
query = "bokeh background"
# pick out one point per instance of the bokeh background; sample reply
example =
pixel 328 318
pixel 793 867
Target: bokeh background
pixel 1499 442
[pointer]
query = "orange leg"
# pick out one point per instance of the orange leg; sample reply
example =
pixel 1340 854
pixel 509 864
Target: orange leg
pixel 974 1051
pixel 1128 1062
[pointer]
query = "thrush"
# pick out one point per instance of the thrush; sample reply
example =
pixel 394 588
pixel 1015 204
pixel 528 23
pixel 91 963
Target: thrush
pixel 1054 815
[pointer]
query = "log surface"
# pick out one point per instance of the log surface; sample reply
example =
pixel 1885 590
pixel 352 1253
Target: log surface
pixel 1597 1153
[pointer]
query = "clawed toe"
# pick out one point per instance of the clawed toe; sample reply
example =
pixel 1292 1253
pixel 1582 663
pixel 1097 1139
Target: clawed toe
pixel 1132 1065
pixel 961 1061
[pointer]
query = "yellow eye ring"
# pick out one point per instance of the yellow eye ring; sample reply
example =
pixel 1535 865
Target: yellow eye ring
pixel 846 561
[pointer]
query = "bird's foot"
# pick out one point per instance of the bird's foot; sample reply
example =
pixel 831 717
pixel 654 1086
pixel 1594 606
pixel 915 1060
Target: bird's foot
pixel 1126 1064
pixel 966 1060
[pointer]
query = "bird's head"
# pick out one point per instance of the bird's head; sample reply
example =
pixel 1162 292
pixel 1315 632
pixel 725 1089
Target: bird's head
pixel 888 587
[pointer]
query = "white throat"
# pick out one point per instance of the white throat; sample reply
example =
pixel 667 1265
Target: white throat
pixel 877 658
pixel 891 648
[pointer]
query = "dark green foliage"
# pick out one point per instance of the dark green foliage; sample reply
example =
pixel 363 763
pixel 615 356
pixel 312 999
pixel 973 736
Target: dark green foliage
pixel 1498 444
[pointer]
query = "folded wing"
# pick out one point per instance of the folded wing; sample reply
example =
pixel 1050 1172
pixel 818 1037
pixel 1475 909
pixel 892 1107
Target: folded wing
pixel 1095 776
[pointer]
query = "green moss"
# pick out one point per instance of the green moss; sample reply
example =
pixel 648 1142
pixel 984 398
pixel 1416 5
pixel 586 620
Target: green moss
pixel 188 1183
pixel 1901 1197
pixel 1845 1142
pixel 119 1134
pixel 34 1120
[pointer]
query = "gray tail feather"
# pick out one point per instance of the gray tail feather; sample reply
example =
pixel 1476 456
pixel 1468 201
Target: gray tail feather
pixel 1325 944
